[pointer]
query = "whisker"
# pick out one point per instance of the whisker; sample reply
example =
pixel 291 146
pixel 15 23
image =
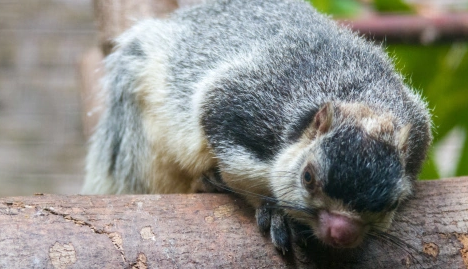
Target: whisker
pixel 397 242
pixel 375 234
pixel 279 203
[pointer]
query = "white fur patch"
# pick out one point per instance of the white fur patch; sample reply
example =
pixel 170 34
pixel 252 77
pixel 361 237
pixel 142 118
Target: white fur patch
pixel 178 149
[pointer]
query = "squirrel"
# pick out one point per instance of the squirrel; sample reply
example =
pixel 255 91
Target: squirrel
pixel 305 119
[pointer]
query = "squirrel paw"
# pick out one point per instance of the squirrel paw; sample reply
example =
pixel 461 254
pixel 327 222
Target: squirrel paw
pixel 275 221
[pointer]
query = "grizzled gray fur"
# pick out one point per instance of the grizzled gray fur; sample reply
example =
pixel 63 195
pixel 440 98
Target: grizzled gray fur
pixel 307 120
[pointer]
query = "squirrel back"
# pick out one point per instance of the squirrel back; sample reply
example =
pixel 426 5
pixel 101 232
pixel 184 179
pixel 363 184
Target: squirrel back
pixel 271 98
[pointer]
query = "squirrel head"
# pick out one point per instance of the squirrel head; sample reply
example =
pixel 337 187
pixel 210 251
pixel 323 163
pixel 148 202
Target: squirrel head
pixel 349 169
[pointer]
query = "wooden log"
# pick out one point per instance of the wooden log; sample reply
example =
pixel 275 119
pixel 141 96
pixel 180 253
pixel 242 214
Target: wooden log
pixel 213 231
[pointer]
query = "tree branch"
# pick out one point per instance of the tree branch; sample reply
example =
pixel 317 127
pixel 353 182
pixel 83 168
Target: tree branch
pixel 413 29
pixel 213 231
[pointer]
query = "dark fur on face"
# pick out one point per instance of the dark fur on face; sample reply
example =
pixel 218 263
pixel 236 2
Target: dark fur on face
pixel 363 172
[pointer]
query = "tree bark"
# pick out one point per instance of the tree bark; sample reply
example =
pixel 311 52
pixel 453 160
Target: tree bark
pixel 214 231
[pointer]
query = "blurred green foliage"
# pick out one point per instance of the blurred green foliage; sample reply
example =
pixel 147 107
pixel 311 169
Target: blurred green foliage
pixel 340 8
pixel 391 6
pixel 439 73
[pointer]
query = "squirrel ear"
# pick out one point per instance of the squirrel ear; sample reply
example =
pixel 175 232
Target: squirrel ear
pixel 402 138
pixel 323 119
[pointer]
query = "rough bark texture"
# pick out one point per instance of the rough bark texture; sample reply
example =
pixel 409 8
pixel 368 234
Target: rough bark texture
pixel 213 231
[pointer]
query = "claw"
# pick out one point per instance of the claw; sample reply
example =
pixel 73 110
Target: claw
pixel 276 222
pixel 263 217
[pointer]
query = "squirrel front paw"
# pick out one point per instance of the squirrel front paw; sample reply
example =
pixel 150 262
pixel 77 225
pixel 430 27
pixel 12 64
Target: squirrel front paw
pixel 275 221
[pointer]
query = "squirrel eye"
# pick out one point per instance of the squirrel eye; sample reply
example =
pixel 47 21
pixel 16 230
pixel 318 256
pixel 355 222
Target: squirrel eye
pixel 308 177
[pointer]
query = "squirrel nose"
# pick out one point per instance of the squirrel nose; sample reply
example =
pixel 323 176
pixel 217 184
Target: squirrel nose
pixel 338 230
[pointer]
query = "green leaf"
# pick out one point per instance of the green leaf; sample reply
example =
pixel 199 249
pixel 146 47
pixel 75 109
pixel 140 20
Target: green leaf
pixel 338 8
pixel 323 6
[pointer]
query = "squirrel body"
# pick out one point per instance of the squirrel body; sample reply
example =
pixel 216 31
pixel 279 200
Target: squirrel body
pixel 270 98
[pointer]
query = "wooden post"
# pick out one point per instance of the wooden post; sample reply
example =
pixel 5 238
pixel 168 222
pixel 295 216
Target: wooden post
pixel 213 231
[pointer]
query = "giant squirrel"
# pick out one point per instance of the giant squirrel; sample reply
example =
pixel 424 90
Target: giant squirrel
pixel 306 120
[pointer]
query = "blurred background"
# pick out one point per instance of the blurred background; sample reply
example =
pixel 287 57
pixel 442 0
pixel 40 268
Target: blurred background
pixel 42 138
pixel 42 146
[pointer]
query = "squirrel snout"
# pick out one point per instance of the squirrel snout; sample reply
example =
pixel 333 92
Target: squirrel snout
pixel 339 230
